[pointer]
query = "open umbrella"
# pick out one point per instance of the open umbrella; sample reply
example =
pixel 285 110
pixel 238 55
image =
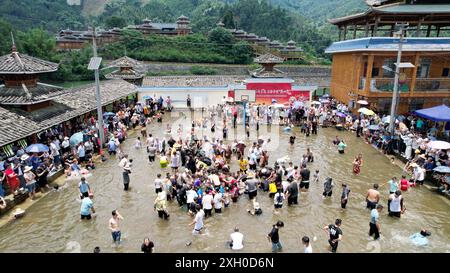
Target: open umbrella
pixel 325 101
pixel 274 101
pixel 341 115
pixel 326 96
pixel 109 114
pixel 362 102
pixel 314 102
pixel 75 139
pixel 278 105
pixel 297 104
pixel 37 148
pixel 374 127
pixel 362 109
pixel 439 145
pixel 369 112
pixel 442 169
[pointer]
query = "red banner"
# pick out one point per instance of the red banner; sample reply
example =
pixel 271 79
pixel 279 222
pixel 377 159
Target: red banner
pixel 281 96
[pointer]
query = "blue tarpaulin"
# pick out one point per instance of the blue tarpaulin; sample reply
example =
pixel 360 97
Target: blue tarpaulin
pixel 437 113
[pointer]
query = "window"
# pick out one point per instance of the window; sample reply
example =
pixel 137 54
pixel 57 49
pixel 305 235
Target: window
pixel 445 72
pixel 423 71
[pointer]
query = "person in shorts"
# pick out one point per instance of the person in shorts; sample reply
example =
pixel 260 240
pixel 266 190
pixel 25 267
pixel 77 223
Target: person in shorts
pixel 305 174
pixel 335 234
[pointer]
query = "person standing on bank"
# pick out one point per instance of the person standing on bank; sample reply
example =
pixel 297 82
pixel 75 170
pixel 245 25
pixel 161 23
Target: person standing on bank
pixel 374 224
pixel 114 226
pixel 274 237
pixel 335 234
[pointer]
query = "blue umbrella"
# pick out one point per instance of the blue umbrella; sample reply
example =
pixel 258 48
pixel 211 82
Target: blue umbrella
pixel 37 148
pixel 326 96
pixel 442 169
pixel 373 127
pixel 75 139
pixel 109 114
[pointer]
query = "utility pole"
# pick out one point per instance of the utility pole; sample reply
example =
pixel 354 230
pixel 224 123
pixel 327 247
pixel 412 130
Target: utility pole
pixel 395 92
pixel 96 68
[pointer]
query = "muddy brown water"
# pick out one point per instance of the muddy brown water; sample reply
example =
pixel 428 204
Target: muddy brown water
pixel 53 225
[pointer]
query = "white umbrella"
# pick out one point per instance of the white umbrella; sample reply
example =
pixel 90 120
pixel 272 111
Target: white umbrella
pixel 439 145
pixel 315 102
pixel 363 102
pixel 362 110
pixel 278 105
pixel 229 99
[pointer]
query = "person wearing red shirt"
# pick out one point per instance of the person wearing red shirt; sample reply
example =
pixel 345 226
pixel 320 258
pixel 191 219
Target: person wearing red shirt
pixel 404 184
pixel 12 179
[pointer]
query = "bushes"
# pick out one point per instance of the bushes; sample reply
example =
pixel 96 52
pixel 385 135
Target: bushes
pixel 202 70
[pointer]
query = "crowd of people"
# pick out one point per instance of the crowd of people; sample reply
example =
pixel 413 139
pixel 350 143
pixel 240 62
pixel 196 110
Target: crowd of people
pixel 410 142
pixel 197 173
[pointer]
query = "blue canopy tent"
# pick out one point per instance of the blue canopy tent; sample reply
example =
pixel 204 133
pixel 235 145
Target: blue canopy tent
pixel 437 113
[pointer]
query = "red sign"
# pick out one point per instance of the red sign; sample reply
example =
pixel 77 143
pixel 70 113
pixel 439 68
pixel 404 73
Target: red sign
pixel 280 91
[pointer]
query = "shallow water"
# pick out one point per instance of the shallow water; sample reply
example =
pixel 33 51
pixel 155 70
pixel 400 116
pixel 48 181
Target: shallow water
pixel 53 225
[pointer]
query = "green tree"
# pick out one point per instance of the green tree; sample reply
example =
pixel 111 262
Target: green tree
pixel 5 32
pixel 38 43
pixel 242 53
pixel 228 20
pixel 115 21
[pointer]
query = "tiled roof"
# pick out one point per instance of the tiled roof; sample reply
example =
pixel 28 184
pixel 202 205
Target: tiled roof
pixel 28 95
pixel 130 74
pixel 268 58
pixel 124 61
pixel 17 124
pixel 16 63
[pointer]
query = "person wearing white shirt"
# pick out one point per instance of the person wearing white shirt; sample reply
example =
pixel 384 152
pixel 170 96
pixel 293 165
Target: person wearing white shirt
pixel 307 244
pixel 218 202
pixel 207 203
pixel 236 239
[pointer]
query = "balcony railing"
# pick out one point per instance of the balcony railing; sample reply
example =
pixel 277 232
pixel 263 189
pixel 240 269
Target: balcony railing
pixel 422 84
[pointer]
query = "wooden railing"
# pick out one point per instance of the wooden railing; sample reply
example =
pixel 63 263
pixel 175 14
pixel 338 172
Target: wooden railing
pixel 421 84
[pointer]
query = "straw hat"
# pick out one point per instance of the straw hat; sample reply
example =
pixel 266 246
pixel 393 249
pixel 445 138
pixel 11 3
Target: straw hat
pixel 414 165
pixel 27 169
pixel 417 151
pixel 423 156
pixel 24 157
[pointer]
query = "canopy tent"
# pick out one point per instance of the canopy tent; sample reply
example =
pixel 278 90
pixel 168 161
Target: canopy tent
pixel 437 113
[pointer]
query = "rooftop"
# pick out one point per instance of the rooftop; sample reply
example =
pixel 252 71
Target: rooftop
pixel 23 95
pixel 124 61
pixel 397 8
pixel 17 63
pixel 16 124
pixel 268 59
pixel 387 44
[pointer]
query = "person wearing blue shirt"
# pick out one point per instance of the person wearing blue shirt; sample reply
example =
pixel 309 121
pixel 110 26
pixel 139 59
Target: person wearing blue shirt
pixel 393 185
pixel 374 224
pixel 420 238
pixel 87 206
pixel 84 188
pixel 112 147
